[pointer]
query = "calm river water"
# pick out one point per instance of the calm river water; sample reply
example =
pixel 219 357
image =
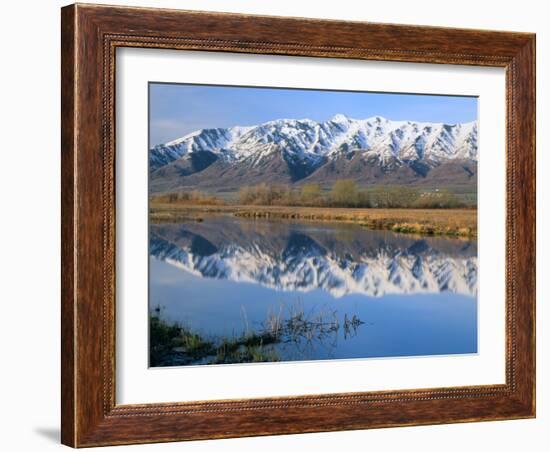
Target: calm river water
pixel 331 291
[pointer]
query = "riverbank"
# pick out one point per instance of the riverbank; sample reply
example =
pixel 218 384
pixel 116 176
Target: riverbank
pixel 451 222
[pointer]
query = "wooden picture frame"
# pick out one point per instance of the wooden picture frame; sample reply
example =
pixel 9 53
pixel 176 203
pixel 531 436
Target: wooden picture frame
pixel 90 35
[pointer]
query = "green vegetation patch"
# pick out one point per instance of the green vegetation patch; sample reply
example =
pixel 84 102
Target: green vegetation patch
pixel 172 344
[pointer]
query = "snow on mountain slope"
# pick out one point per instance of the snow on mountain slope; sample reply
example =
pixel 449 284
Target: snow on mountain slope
pixel 311 141
pixel 220 141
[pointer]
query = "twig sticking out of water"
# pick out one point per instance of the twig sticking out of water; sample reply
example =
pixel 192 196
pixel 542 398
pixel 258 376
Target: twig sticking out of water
pixel 175 344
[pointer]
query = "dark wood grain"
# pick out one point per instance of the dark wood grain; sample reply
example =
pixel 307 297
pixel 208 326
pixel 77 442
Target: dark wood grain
pixel 90 36
pixel 68 332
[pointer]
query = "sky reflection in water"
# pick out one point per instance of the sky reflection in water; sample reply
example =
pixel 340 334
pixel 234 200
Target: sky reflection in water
pixel 412 295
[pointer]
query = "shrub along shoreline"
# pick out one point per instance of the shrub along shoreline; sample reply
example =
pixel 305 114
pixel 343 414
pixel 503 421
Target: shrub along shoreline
pixel 343 193
pixel 346 193
pixel 394 208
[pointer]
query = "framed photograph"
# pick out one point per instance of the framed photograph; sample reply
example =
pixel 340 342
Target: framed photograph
pixel 282 225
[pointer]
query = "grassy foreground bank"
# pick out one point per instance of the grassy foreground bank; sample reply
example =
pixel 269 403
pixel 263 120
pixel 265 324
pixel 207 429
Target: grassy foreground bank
pixel 174 344
pixel 452 222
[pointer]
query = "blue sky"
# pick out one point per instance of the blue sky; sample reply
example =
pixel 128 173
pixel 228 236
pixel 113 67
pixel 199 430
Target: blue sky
pixel 177 109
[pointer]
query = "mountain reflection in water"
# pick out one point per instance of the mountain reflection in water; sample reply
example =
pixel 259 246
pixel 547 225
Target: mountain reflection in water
pixel 260 290
pixel 339 259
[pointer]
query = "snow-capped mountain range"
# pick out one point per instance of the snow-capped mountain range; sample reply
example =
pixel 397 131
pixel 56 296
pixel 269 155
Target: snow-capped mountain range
pixel 300 262
pixel 303 146
pixel 311 140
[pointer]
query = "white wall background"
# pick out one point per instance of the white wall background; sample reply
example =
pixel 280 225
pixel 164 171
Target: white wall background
pixel 29 133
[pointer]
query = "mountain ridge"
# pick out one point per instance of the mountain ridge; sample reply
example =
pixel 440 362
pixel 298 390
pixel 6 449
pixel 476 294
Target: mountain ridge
pixel 298 148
